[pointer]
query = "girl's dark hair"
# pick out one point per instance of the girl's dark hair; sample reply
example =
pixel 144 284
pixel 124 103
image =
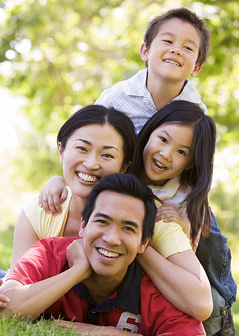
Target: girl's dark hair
pixel 199 176
pixel 126 184
pixel 188 16
pixel 98 114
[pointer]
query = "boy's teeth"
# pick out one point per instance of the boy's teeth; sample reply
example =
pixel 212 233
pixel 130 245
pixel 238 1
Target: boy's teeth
pixel 172 62
pixel 108 254
pixel 87 178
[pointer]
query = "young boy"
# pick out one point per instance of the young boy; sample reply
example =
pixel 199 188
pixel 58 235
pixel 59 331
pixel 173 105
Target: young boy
pixel 175 46
pixel 99 283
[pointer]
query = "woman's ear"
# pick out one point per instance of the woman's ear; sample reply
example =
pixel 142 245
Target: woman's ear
pixel 60 152
pixel 125 167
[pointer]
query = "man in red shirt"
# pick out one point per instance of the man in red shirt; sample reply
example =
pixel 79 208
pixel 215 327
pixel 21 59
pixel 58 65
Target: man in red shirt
pixel 95 279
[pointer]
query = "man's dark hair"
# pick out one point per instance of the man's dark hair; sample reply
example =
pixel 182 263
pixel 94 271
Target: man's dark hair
pixel 126 184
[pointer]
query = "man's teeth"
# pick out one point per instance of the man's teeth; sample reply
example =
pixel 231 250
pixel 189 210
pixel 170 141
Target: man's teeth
pixel 108 254
pixel 87 178
pixel 172 62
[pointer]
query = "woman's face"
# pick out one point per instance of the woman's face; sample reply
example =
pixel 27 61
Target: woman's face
pixel 91 152
pixel 167 153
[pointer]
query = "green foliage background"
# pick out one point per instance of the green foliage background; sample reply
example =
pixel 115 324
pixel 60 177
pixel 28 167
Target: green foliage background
pixel 60 55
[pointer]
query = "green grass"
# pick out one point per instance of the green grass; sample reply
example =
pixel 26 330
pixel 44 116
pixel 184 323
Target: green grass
pixel 42 327
pixel 14 327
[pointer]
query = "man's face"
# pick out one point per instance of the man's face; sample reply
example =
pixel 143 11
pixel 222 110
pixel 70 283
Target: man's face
pixel 112 236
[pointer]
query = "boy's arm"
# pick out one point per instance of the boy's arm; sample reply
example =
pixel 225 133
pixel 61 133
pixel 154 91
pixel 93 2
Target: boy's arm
pixel 53 194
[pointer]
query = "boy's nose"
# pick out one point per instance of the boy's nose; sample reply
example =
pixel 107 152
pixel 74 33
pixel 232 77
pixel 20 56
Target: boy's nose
pixel 176 50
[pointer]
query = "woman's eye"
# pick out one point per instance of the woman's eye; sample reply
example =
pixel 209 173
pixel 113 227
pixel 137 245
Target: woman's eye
pixel 108 156
pixel 81 148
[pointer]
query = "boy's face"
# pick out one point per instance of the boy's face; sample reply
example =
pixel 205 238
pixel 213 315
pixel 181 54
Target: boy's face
pixel 112 236
pixel 174 51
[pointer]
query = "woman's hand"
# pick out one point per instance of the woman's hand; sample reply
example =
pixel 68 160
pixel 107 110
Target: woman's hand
pixel 52 195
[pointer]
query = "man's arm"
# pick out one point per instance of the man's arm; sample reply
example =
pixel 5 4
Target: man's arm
pixel 32 299
pixel 93 330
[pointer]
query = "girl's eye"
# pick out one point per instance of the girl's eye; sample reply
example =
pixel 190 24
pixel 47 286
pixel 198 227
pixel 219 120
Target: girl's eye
pixel 163 139
pixel 182 152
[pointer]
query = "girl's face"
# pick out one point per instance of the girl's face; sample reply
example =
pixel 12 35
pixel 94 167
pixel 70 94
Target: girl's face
pixel 167 153
pixel 91 152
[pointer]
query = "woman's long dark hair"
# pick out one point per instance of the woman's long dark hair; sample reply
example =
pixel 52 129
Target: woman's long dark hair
pixel 199 176
pixel 98 114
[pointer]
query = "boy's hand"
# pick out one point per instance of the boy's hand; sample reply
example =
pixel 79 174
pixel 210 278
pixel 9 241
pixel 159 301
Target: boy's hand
pixel 52 195
pixel 170 212
pixel 76 256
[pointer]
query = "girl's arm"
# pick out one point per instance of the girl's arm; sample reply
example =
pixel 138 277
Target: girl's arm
pixel 53 194
pixel 24 238
pixel 181 279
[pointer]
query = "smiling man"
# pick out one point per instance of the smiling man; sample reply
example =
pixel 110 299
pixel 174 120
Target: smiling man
pixel 95 279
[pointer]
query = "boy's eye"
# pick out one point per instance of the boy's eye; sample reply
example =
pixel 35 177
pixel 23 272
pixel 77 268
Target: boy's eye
pixel 167 41
pixel 188 48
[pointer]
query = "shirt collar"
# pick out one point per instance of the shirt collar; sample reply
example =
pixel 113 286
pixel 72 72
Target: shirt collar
pixel 168 190
pixel 127 296
pixel 135 87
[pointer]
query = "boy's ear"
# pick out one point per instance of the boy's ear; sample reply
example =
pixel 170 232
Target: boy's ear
pixel 60 152
pixel 144 52
pixel 196 70
pixel 143 246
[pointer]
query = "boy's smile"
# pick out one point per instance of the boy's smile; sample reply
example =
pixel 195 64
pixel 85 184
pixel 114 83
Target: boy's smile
pixel 173 52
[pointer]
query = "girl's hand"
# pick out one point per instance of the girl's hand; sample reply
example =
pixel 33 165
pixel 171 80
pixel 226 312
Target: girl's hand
pixel 76 256
pixel 52 195
pixel 170 212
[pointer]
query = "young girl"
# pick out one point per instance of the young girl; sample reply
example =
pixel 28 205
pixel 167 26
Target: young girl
pixel 195 298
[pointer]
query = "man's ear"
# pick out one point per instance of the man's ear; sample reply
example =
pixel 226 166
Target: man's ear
pixel 82 227
pixel 144 52
pixel 60 152
pixel 143 246
pixel 196 70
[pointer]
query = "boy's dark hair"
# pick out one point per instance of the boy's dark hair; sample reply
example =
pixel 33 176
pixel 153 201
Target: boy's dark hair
pixel 186 15
pixel 126 184
pixel 98 114
pixel 199 176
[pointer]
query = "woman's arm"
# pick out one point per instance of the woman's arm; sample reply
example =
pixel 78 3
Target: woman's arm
pixel 181 279
pixel 24 238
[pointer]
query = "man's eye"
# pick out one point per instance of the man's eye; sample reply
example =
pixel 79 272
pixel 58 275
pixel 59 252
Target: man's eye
pixel 128 228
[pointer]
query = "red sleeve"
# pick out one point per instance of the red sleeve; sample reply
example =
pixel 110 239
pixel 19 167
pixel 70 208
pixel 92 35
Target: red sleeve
pixel 159 317
pixel 44 259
